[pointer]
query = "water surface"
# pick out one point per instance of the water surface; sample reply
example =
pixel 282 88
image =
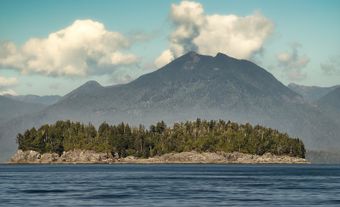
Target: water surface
pixel 169 185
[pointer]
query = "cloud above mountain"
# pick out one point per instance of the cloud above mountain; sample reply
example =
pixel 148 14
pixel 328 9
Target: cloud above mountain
pixel 85 47
pixel 194 30
pixel 332 66
pixel 292 62
pixel 6 83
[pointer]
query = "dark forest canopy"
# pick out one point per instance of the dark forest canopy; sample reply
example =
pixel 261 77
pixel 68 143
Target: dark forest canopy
pixel 124 140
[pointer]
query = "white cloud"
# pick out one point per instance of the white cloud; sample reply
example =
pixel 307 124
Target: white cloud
pixel 188 17
pixel 292 59
pixel 236 36
pixel 332 66
pixel 5 83
pixel 83 48
pixel 239 37
pixel 164 58
pixel 8 92
pixel 292 63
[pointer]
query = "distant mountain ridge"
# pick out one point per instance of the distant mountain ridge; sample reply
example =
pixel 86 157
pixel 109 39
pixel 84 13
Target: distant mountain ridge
pixel 45 100
pixel 192 86
pixel 326 99
pixel 330 104
pixel 332 99
pixel 11 108
pixel 311 93
pixel 190 82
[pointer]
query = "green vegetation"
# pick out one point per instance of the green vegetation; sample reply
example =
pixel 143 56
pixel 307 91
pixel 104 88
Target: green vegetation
pixel 124 140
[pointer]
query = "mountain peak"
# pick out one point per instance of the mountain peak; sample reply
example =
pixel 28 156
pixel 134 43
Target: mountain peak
pixel 190 54
pixel 186 62
pixel 219 54
pixel 191 58
pixel 88 88
pixel 91 84
pixel 222 56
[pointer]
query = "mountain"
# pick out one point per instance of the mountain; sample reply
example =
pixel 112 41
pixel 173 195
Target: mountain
pixel 330 104
pixel 10 109
pixel 45 100
pixel 332 100
pixel 191 86
pixel 327 99
pixel 323 157
pixel 311 93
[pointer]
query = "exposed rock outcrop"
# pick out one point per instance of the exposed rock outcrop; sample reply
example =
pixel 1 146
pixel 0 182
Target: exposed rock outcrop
pixel 75 156
pixel 218 157
pixel 87 156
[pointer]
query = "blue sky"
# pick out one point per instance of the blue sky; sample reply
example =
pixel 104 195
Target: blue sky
pixel 301 45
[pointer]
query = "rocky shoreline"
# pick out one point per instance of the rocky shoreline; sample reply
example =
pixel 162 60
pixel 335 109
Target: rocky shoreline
pixel 91 157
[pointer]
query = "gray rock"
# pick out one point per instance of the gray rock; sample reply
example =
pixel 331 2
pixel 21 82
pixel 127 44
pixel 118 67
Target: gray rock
pixel 88 156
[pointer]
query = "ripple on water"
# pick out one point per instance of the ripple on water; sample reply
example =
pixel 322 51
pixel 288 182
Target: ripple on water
pixel 169 185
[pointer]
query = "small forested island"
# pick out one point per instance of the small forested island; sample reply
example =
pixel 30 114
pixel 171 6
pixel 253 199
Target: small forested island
pixel 197 141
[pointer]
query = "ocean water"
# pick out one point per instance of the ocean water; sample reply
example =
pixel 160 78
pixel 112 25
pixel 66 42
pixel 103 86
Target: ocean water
pixel 169 185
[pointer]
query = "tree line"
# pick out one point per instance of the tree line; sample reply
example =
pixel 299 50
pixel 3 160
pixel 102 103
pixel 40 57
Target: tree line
pixel 123 140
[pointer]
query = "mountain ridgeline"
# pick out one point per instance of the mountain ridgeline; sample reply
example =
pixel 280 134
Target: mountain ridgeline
pixel 330 104
pixel 311 93
pixel 191 86
pixel 34 99
pixel 10 108
pixel 124 140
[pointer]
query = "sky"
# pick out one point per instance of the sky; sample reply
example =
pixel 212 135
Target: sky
pixel 51 47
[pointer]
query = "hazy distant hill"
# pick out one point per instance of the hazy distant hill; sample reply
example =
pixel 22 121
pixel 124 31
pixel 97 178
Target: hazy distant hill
pixel 46 100
pixel 326 99
pixel 311 93
pixel 330 104
pixel 332 100
pixel 192 86
pixel 323 157
pixel 10 108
